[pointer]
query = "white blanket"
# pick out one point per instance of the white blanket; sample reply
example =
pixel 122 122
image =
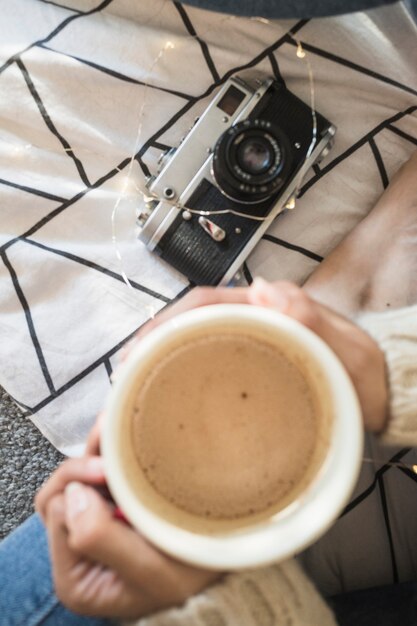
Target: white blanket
pixel 73 111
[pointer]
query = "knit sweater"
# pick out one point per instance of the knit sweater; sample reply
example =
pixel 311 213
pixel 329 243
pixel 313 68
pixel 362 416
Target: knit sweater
pixel 282 593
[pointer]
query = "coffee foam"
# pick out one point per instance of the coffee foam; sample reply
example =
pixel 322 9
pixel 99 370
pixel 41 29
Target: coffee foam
pixel 226 426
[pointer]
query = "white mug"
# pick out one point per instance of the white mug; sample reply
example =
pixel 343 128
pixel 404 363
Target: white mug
pixel 257 542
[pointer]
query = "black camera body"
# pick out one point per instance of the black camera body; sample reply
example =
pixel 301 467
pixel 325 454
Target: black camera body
pixel 238 167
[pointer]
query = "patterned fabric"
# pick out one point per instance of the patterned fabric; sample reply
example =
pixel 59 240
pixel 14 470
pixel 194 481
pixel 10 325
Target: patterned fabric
pixel 89 84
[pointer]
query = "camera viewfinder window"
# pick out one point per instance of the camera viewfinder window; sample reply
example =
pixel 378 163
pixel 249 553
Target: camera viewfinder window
pixel 231 100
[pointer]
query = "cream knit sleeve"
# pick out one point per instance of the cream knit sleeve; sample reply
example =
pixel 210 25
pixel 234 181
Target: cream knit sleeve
pixel 273 596
pixel 396 334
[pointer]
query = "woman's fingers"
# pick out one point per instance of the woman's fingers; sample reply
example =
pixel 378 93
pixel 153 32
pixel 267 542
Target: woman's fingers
pixel 83 585
pixel 63 558
pixel 86 469
pixel 94 533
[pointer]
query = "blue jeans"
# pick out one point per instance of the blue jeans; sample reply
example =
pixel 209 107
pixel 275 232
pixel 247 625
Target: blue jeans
pixel 27 597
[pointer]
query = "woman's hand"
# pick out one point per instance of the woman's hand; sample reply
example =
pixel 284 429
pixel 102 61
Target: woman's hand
pixel 359 353
pixel 100 565
pixel 103 567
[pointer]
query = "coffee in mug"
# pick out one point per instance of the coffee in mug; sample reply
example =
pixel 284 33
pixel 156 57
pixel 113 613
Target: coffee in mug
pixel 227 425
pixel 223 429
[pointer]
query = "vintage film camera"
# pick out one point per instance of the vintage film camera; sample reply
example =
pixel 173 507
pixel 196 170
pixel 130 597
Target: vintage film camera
pixel 247 154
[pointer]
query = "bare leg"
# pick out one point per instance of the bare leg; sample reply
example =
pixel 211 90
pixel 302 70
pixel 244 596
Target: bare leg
pixel 375 266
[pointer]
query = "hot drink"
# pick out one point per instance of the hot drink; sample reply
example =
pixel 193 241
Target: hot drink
pixel 227 425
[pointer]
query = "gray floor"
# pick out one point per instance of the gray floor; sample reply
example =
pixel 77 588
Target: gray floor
pixel 26 460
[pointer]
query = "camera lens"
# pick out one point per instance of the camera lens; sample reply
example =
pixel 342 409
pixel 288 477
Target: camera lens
pixel 254 155
pixel 251 161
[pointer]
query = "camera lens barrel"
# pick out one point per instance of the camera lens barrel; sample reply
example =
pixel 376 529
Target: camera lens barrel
pixel 251 161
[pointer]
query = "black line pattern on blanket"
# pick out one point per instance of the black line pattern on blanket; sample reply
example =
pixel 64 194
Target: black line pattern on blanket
pixel 361 142
pixel 161 131
pixel 395 578
pixel 32 190
pixel 275 68
pixel 160 146
pixel 97 363
pixel 382 470
pixel 292 246
pixel 409 473
pixel 247 273
pixel 379 162
pixel 98 268
pixel 353 66
pixel 109 369
pixel 118 75
pixel 29 321
pixel 85 372
pixel 51 126
pixel 402 134
pixel 62 6
pixel 58 29
pixel 155 142
pixel 47 218
pixel 204 48
pixel 378 482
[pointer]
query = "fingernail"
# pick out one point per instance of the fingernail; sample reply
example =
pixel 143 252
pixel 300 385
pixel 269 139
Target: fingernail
pixel 265 294
pixel 259 283
pixel 76 500
pixel 95 467
pixel 257 291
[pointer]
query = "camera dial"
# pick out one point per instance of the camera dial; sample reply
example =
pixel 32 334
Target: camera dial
pixel 251 161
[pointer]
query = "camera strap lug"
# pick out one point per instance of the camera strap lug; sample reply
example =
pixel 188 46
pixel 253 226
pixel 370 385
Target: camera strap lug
pixel 215 232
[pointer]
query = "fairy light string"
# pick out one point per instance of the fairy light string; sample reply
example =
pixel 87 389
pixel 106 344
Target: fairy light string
pixel 126 180
pixel 398 464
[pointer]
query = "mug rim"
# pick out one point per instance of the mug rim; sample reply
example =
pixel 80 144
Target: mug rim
pixel 293 528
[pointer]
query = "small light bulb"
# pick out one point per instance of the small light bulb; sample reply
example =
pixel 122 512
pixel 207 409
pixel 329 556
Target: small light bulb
pixel 262 20
pixel 151 311
pixel 127 186
pixel 20 150
pixel 300 52
pixel 415 469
